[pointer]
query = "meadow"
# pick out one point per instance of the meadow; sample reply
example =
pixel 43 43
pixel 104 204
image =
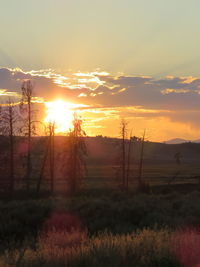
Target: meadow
pixel 101 224
pixel 101 227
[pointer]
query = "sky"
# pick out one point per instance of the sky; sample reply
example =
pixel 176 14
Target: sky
pixel 133 59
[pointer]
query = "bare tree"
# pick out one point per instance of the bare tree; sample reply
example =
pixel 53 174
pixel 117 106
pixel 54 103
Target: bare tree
pixel 123 163
pixel 49 157
pixel 26 105
pixel 77 152
pixel 128 161
pixel 44 160
pixel 140 183
pixel 9 118
pixel 52 153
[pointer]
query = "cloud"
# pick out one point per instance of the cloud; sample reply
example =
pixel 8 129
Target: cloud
pixel 47 84
pixel 169 93
pixel 177 91
pixel 175 98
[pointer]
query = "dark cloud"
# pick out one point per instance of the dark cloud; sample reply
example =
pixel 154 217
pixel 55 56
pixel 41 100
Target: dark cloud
pixel 44 86
pixel 169 93
pixel 181 95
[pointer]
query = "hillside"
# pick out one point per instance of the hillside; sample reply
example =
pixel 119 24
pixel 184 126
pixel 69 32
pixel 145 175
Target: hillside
pixel 104 150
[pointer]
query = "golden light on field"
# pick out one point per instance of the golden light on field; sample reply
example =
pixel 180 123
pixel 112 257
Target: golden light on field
pixel 60 112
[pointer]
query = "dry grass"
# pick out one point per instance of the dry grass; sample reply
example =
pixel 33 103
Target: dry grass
pixel 145 248
pixel 161 248
pixel 64 241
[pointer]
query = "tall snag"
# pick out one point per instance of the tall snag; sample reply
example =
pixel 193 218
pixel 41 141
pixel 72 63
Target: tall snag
pixel 123 162
pixel 48 158
pixel 140 182
pixel 76 155
pixel 52 153
pixel 128 161
pixel 26 105
pixel 9 118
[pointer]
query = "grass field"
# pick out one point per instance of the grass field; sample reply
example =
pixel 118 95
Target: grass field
pixel 101 227
pixel 166 170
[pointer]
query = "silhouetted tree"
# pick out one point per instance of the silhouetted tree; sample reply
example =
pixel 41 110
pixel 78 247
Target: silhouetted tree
pixel 76 155
pixel 142 186
pixel 128 161
pixel 48 159
pixel 52 153
pixel 123 163
pixel 44 160
pixel 26 106
pixel 9 117
pixel 141 162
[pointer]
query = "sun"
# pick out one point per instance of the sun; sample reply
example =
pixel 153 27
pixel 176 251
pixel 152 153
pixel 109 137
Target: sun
pixel 60 112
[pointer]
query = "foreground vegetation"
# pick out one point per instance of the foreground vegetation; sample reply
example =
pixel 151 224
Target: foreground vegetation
pixel 101 228
pixel 145 248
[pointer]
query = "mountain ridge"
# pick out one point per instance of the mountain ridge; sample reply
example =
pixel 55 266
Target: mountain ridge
pixel 180 141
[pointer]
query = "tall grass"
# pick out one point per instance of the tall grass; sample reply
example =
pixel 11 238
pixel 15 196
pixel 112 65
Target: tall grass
pixel 141 249
pixel 140 230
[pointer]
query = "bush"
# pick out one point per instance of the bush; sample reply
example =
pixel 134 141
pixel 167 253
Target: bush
pixel 20 220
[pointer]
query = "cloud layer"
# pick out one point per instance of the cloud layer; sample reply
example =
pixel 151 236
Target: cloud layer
pixel 175 99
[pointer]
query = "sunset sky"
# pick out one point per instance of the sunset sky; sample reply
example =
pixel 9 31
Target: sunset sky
pixel 139 60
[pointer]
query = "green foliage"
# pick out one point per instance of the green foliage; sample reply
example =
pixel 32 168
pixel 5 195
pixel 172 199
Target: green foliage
pixel 21 219
pixel 123 212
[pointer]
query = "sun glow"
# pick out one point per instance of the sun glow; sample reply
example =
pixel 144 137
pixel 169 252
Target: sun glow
pixel 61 113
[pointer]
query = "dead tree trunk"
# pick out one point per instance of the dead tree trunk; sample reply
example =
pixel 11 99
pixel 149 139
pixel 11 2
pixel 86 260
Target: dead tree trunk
pixel 123 130
pixel 140 184
pixel 128 162
pixel 29 146
pixel 27 94
pixel 77 151
pixel 11 137
pixel 8 119
pixel 52 154
pixel 43 166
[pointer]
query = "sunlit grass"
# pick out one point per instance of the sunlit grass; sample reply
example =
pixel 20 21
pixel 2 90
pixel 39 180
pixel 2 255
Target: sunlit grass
pixel 145 248
pixel 111 230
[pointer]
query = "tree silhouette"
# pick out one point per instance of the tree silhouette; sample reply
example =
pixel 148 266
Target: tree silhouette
pixel 141 161
pixel 26 107
pixel 76 155
pixel 123 152
pixel 52 153
pixel 128 161
pixel 142 185
pixel 9 117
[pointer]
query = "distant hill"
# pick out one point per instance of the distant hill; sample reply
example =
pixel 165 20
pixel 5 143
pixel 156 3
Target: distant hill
pixel 107 151
pixel 176 141
pixel 180 141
